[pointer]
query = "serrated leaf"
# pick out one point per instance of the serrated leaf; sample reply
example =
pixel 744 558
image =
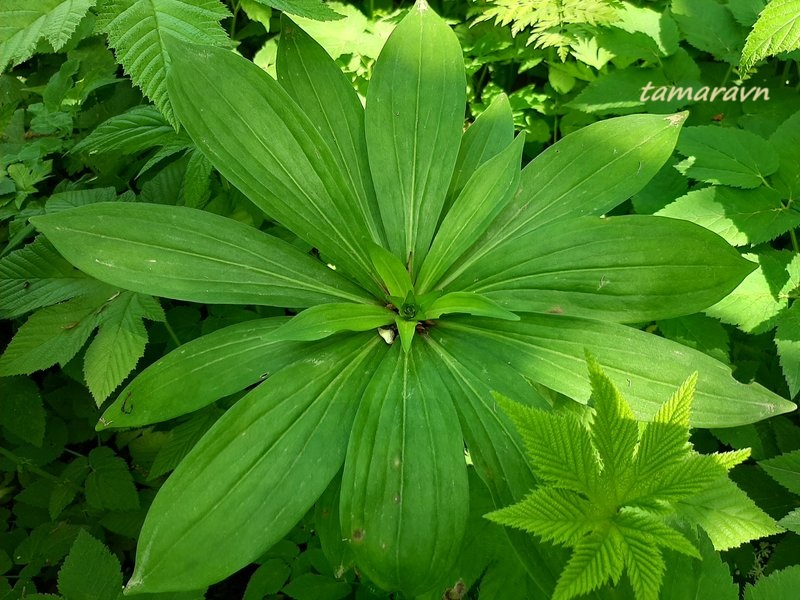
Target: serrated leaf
pixel 141 128
pixel 119 343
pixel 791 521
pixel 780 585
pixel 109 484
pixel 310 9
pixel 787 341
pixel 596 559
pixel 727 515
pixel 786 142
pixel 137 30
pixel 785 469
pixel 753 305
pixel 709 26
pixel 22 413
pixel 69 484
pixel 726 156
pixel 52 335
pixel 37 276
pixel 777 30
pixel 645 567
pixel 24 24
pixel 740 216
pixel 690 578
pixel 90 571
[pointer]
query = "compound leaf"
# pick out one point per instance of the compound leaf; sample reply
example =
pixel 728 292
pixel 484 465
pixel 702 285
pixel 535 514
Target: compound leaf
pixel 137 31
pixel 24 24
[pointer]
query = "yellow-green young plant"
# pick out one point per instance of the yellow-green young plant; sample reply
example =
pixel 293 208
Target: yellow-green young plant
pixel 447 272
pixel 617 493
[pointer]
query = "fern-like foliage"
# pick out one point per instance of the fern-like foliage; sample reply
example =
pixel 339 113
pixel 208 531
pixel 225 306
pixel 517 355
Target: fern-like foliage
pixel 777 30
pixel 552 23
pixel 138 31
pixel 613 491
pixel 24 23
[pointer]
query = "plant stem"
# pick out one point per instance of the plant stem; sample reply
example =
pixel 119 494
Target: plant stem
pixel 795 246
pixel 24 464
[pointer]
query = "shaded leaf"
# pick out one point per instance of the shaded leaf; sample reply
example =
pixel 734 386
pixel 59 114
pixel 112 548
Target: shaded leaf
pixel 22 413
pixel 90 571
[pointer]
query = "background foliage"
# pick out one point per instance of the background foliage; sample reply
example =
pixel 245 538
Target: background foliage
pixel 85 118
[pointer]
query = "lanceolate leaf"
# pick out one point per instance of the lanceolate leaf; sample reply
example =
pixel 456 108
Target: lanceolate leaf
pixel 489 135
pixel 189 254
pixel 25 24
pixel 141 128
pixel 494 445
pixel 467 303
pixel 392 274
pixel 549 349
pixel 584 174
pixel 481 200
pixel 261 140
pixel 202 371
pixel 138 29
pixel 259 468
pixel 404 519
pixel 325 94
pixel 624 269
pixel 324 320
pixel 414 118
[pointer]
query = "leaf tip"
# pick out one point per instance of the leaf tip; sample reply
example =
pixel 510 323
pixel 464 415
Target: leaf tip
pixel 677 119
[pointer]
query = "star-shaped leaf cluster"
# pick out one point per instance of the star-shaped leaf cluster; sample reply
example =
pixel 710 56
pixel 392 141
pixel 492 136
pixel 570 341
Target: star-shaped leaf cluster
pixel 615 490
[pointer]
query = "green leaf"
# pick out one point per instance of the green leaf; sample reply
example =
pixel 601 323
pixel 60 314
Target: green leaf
pixel 740 216
pixel 754 304
pixel 645 567
pixel 726 156
pixel 473 373
pixel 259 468
pixel 38 276
pixel 310 9
pixel 392 273
pixel 559 447
pixel 554 514
pixel 467 303
pixel 188 254
pixel 787 340
pixel 707 578
pixel 709 26
pixel 109 485
pixel 404 520
pixel 582 174
pixel 260 140
pixel 624 269
pixel 786 142
pixel 482 198
pixel 267 579
pixel 549 349
pixel 310 586
pixel 24 25
pixel 138 30
pixel 791 521
pixel 53 334
pixel 700 332
pixel 727 515
pixel 777 30
pixel 780 585
pixel 70 482
pixel 21 411
pixel 90 571
pixel 594 561
pixel 119 343
pixel 325 320
pixel 490 134
pixel 181 439
pixel 327 96
pixel 785 469
pixel 180 382
pixel 141 128
pixel 414 119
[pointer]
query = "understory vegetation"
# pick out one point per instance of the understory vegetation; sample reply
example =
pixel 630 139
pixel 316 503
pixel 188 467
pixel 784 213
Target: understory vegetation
pixel 381 299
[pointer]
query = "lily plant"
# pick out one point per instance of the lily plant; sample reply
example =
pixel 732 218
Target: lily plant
pixel 444 272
